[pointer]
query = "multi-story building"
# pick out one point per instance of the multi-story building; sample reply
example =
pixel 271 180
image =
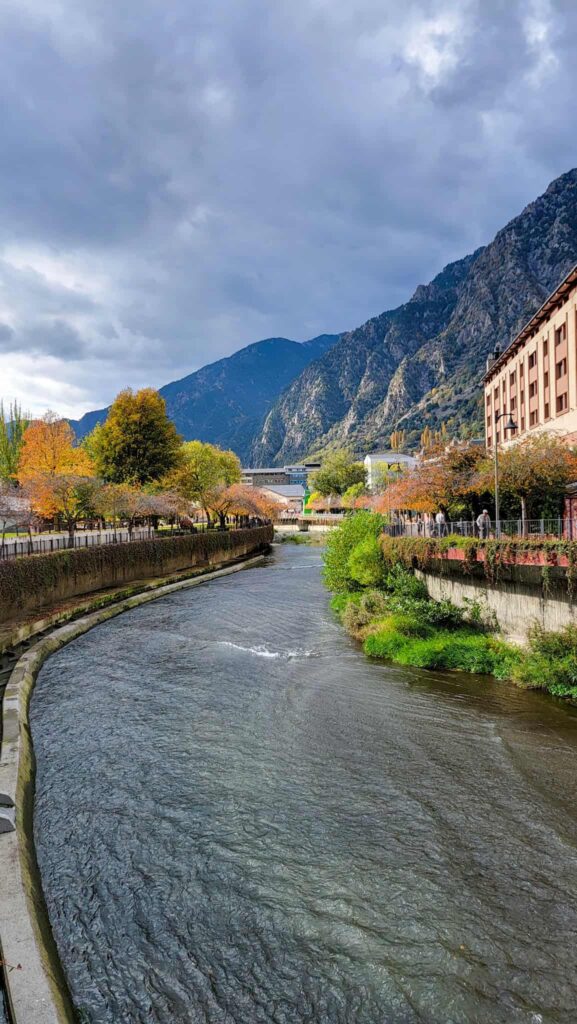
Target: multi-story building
pixel 534 381
pixel 279 476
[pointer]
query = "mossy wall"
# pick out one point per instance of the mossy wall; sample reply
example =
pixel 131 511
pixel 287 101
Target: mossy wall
pixel 34 582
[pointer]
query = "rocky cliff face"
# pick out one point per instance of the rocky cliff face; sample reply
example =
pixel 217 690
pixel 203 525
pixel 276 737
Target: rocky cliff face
pixel 422 363
pixel 226 402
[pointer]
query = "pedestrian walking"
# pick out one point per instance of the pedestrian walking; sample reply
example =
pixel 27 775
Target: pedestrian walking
pixel 484 524
pixel 441 524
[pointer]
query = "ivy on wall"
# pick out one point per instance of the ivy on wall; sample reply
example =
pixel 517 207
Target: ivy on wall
pixel 422 552
pixel 22 578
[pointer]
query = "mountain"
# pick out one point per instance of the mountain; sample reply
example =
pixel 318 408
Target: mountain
pixel 421 364
pixel 227 401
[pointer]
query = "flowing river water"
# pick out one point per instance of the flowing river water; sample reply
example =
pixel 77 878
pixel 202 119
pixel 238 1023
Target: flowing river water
pixel 239 819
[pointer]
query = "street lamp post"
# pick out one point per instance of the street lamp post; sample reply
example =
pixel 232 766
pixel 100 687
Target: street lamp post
pixel 511 425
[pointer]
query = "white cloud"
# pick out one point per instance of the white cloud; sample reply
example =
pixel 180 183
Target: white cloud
pixel 182 179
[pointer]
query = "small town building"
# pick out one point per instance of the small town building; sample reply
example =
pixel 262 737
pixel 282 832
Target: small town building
pixel 379 464
pixel 534 381
pixel 291 496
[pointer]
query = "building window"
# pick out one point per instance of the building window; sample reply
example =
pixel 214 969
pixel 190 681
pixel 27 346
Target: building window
pixel 533 418
pixel 560 334
pixel 562 402
pixel 561 369
pixel 532 360
pixel 513 403
pixel 512 379
pixel 488 401
pixel 546 379
pixel 533 389
pixel 546 410
pixel 522 371
pixel 545 348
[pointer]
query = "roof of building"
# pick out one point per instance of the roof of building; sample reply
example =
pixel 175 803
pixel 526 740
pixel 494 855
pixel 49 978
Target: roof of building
pixel 532 326
pixel 286 490
pixel 265 469
pixel 389 457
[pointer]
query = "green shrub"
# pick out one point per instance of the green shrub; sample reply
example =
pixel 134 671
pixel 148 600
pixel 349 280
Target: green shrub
pixel 366 564
pixel 387 643
pixel 403 583
pixel 550 662
pixel 340 544
pixel 374 602
pixel 355 617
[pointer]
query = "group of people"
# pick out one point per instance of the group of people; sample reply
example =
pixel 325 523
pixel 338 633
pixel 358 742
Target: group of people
pixel 430 524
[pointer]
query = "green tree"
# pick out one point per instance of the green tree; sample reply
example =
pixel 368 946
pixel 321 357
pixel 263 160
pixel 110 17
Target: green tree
pixel 338 472
pixel 138 443
pixel 13 423
pixel 340 574
pixel 202 473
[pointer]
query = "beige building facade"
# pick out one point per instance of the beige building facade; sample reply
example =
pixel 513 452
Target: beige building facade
pixel 535 379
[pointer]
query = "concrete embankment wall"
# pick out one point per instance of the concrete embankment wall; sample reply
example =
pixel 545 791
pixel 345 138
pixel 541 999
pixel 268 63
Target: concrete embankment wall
pixel 522 595
pixel 42 581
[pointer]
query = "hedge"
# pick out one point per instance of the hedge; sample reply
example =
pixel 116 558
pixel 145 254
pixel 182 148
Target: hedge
pixel 22 577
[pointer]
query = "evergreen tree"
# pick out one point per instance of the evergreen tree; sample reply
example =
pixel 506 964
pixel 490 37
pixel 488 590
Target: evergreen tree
pixel 13 424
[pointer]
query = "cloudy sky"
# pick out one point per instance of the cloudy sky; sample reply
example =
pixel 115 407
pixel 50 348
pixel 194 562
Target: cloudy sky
pixel 178 179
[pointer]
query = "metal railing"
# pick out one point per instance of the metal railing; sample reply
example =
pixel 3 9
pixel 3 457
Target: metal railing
pixel 552 529
pixel 42 544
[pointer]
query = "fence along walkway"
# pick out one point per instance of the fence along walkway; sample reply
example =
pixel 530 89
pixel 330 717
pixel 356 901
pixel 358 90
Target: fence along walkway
pixel 43 544
pixel 560 529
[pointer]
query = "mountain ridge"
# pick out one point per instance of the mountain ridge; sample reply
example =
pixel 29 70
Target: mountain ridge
pixel 421 363
pixel 225 402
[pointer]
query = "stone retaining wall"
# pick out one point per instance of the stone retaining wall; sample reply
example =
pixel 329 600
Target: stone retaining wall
pixel 522 595
pixel 34 582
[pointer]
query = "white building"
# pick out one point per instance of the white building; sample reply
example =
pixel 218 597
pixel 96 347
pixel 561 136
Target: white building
pixel 378 464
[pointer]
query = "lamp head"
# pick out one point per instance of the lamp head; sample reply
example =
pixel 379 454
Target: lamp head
pixel 510 425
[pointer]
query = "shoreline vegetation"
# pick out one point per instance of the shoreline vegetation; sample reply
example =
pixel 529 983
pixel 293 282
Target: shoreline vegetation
pixel 381 603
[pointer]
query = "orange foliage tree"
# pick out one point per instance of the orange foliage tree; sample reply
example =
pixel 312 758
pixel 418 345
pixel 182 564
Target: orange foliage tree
pixel 533 474
pixel 48 450
pixel 66 496
pixel 57 477
pixel 447 480
pixel 241 501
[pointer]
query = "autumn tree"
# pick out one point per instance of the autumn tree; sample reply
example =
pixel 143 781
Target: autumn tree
pixel 13 424
pixel 48 450
pixel 203 472
pixel 532 473
pixel 337 473
pixel 242 501
pixel 447 479
pixel 67 497
pixel 15 510
pixel 138 443
pixel 397 440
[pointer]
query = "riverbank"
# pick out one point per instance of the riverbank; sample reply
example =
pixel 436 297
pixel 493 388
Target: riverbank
pixel 382 603
pixel 35 987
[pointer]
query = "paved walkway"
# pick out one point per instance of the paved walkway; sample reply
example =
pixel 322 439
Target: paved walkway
pixel 57 541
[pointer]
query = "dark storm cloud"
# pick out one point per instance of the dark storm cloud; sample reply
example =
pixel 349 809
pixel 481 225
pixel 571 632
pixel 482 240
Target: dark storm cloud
pixel 180 179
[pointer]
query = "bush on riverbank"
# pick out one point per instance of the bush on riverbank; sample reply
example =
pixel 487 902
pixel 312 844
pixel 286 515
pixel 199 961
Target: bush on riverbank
pixel 394 617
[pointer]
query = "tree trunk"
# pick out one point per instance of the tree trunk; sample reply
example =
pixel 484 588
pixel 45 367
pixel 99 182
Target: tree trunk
pixel 70 527
pixel 523 516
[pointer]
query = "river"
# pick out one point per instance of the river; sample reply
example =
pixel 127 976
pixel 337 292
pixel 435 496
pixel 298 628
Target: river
pixel 239 819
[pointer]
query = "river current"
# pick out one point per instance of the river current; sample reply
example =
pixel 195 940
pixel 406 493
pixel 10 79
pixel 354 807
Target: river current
pixel 240 819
